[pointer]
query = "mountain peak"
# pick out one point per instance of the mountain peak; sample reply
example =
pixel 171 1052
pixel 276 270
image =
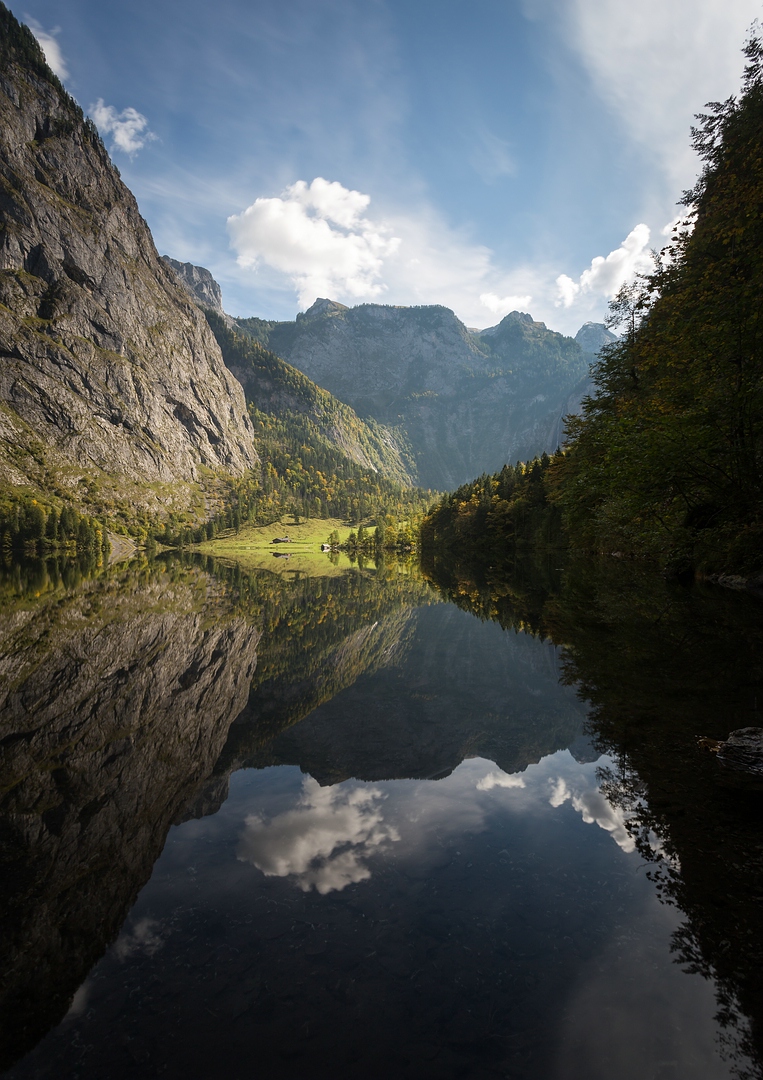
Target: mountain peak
pixel 323 306
pixel 198 283
pixel 592 336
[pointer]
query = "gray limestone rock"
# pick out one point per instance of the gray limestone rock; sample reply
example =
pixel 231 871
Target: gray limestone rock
pixel 466 402
pixel 198 283
pixel 593 336
pixel 105 363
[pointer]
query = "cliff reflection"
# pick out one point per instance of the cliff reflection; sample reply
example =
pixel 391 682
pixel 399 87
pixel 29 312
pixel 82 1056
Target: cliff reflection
pixel 116 696
pixel 118 689
pixel 661 664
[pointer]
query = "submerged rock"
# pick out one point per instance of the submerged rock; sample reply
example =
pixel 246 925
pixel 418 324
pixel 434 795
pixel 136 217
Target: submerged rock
pixel 743 751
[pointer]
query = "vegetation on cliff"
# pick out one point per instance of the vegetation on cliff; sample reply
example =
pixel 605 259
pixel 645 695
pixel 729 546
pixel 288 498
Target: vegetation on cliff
pixel 309 444
pixel 667 458
pixel 666 461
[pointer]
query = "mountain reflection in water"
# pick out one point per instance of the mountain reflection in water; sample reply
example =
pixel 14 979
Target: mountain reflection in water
pixel 419 843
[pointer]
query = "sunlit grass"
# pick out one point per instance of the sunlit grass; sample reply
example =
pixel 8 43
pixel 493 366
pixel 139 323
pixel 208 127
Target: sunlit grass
pixel 253 547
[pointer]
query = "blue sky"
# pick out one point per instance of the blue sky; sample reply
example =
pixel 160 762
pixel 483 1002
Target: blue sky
pixel 483 154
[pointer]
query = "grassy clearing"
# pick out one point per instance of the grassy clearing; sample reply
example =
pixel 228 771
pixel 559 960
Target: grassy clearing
pixel 253 547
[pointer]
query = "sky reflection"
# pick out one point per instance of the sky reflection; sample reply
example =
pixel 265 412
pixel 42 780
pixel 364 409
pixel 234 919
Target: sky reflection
pixel 327 838
pixel 324 842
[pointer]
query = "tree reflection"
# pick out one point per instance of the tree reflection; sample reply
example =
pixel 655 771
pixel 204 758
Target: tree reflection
pixel 662 663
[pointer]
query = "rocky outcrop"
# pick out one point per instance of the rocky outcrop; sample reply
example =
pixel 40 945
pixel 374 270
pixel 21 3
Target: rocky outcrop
pixel 106 366
pixel 466 401
pixel 199 284
pixel 591 337
pixel 115 702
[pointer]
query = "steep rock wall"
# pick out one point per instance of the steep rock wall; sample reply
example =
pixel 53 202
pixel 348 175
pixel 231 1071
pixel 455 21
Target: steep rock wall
pixel 105 363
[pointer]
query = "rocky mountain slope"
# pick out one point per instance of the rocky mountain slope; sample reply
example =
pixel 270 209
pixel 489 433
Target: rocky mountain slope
pixel 467 401
pixel 109 375
pixel 275 387
pixel 199 284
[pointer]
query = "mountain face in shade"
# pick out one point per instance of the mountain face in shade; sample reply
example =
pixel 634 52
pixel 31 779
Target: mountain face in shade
pixel 109 374
pixel 466 401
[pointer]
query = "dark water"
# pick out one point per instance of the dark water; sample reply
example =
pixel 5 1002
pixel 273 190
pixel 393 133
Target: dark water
pixel 363 826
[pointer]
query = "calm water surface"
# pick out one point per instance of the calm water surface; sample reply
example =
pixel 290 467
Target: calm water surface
pixel 345 828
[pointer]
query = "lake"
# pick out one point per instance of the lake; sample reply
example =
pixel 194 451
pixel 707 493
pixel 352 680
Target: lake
pixel 376 823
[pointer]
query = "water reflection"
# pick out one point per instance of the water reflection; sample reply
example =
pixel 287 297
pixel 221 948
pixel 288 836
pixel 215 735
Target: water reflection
pixel 407 841
pixel 661 664
pixel 116 695
pixel 495 935
pixel 324 842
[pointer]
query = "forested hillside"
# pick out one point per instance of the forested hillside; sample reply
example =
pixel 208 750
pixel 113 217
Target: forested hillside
pixel 318 458
pixel 665 461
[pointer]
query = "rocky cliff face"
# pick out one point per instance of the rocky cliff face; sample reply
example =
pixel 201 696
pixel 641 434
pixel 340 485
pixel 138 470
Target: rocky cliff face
pixel 115 702
pixel 591 337
pixel 106 366
pixel 273 386
pixel 199 284
pixel 467 402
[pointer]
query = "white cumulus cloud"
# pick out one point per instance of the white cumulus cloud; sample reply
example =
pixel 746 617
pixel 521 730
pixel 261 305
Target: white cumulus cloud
pixel 594 808
pixel 605 275
pixel 324 841
pixel 50 47
pixel 128 129
pixel 322 237
pixel 318 235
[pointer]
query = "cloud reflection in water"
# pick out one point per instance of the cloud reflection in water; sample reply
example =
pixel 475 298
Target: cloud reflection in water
pixel 593 807
pixel 322 843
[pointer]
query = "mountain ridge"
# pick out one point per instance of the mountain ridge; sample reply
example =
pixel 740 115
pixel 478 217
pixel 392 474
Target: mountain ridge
pixel 467 401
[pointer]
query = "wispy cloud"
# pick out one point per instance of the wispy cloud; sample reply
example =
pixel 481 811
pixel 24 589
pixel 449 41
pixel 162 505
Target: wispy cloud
pixel 656 65
pixel 128 129
pixel 49 46
pixel 491 156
